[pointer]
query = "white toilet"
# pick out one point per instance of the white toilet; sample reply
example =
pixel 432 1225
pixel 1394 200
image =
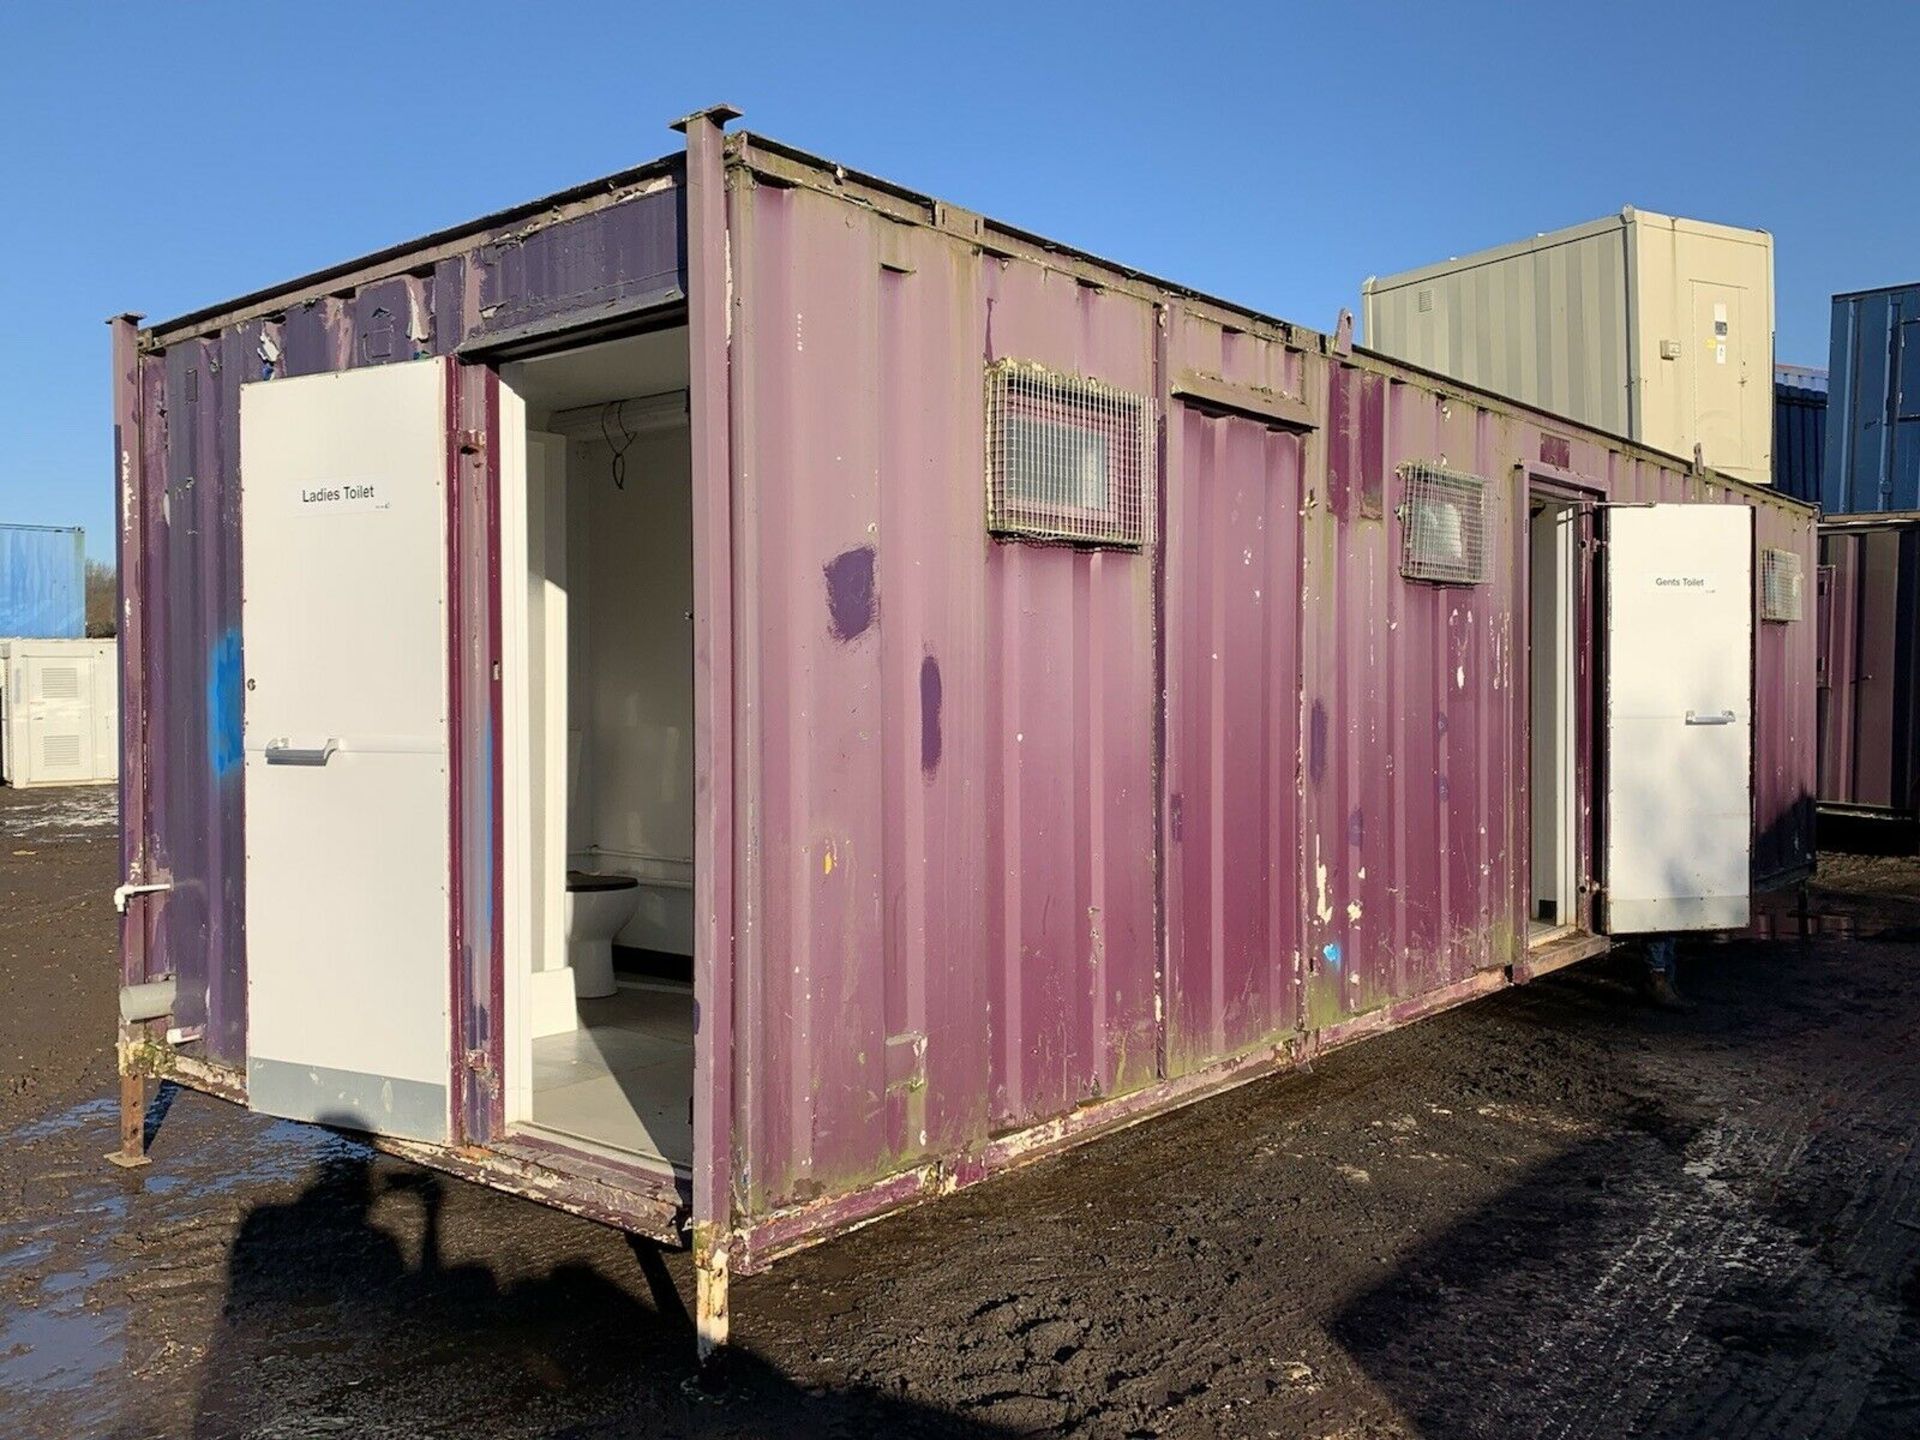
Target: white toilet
pixel 598 908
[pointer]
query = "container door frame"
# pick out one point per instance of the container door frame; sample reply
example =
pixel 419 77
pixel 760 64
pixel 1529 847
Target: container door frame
pixel 1563 487
pixel 479 955
pixel 508 1055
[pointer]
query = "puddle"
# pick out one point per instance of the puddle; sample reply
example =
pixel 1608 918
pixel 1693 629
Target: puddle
pixel 85 1113
pixel 62 1330
pixel 58 1348
pixel 56 1342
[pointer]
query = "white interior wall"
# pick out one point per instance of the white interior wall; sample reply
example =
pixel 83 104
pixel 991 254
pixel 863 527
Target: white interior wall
pixel 548 674
pixel 632 636
pixel 521 900
pixel 1550 657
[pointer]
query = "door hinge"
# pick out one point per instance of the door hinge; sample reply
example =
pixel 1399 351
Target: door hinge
pixel 481 1064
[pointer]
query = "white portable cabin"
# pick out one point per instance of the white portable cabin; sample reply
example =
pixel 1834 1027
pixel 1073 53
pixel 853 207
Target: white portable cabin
pixel 59 718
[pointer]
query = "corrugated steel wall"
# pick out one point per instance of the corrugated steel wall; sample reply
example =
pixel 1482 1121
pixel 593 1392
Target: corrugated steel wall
pixel 942 937
pixel 579 259
pixel 1873 428
pixel 1799 431
pixel 1414 839
pixel 947 743
pixel 43 582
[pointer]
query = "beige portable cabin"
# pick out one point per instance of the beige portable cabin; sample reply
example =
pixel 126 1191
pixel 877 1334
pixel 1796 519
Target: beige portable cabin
pixel 1648 326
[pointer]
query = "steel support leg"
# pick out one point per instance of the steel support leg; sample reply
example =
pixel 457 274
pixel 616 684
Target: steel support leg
pixel 711 1261
pixel 133 1115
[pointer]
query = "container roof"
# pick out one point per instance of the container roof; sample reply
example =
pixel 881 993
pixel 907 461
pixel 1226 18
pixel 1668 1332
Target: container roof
pixel 1629 216
pixel 413 252
pixel 608 189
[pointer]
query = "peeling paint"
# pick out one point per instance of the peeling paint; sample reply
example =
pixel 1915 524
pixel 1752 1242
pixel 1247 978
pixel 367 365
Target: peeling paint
pixel 225 698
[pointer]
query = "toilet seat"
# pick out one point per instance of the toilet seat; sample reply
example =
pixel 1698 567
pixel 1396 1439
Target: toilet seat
pixel 579 881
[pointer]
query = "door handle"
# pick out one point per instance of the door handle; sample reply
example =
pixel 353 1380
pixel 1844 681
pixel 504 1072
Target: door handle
pixel 279 752
pixel 1722 717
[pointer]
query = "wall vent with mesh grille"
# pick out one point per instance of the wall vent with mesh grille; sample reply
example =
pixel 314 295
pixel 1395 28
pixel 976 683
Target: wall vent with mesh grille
pixel 1780 585
pixel 1069 460
pixel 1443 526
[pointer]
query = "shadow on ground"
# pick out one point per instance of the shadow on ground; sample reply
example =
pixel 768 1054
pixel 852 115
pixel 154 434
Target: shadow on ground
pixel 330 1324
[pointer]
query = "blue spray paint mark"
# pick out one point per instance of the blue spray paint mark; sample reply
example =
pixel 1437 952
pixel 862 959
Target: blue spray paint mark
pixel 224 702
pixel 1331 953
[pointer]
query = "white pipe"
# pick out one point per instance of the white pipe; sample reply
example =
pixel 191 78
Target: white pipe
pixel 123 893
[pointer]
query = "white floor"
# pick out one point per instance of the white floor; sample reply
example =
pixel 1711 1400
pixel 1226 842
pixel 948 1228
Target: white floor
pixel 624 1079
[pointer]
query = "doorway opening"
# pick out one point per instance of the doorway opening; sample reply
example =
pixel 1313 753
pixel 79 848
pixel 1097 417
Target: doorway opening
pixel 597 610
pixel 1553 635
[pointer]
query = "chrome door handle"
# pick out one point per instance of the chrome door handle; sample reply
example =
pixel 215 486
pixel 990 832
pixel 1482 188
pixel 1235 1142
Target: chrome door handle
pixel 1724 717
pixel 279 752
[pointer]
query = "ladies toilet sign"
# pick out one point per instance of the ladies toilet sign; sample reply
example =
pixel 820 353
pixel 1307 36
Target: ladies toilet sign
pixel 336 497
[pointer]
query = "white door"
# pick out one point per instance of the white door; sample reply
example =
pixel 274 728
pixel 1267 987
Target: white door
pixel 1719 371
pixel 1679 718
pixel 344 633
pixel 60 729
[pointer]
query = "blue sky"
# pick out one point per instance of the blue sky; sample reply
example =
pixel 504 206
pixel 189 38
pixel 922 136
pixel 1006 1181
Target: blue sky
pixel 159 157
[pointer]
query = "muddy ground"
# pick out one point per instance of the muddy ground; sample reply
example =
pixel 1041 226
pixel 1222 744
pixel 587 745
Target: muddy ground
pixel 1554 1212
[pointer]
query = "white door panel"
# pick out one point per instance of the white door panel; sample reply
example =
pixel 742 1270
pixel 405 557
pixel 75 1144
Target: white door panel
pixel 1679 721
pixel 343 528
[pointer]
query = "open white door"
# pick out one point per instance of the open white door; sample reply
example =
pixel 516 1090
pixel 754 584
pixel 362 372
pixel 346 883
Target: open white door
pixel 344 626
pixel 1679 718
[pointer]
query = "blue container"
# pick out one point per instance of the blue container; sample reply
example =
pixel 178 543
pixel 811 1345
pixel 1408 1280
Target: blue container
pixel 1873 430
pixel 1799 430
pixel 43 581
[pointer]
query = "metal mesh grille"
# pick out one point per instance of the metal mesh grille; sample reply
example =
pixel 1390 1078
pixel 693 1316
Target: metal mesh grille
pixel 1779 585
pixel 1443 526
pixel 1068 459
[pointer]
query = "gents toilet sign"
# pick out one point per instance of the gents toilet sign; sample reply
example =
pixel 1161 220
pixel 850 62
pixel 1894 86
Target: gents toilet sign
pixel 338 497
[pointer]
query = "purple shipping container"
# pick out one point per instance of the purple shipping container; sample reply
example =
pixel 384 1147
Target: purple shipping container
pixel 1869 705
pixel 978 846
